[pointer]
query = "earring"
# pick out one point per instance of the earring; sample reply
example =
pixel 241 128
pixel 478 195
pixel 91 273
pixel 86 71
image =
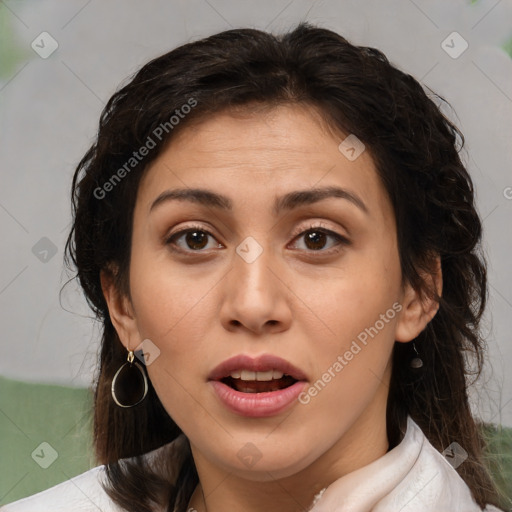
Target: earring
pixel 416 362
pixel 130 384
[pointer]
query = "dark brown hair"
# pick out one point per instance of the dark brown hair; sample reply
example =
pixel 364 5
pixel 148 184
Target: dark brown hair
pixel 416 151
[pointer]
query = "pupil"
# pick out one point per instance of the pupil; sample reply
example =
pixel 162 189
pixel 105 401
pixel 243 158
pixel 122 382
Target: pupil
pixel 192 243
pixel 313 236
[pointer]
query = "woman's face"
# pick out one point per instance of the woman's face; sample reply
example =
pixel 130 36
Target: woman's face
pixel 312 279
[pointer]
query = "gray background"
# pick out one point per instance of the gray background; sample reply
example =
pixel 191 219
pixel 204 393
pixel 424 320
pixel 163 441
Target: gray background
pixel 49 110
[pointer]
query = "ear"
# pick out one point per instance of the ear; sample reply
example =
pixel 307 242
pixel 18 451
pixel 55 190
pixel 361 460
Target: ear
pixel 120 309
pixel 418 308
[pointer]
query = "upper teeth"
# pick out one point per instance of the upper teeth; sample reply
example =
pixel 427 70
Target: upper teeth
pixel 248 375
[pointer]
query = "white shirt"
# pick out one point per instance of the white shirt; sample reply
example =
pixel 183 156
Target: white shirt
pixel 412 477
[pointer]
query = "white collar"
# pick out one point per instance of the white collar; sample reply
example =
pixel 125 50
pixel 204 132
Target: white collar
pixel 412 477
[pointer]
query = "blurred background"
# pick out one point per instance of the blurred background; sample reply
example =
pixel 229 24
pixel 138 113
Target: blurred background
pixel 59 64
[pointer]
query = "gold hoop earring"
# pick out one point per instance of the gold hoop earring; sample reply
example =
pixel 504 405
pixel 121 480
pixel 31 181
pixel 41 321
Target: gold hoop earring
pixel 130 384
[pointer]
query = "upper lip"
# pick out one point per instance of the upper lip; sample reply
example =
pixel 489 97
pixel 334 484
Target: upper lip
pixel 261 363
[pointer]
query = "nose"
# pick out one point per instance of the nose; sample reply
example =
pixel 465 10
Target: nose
pixel 256 296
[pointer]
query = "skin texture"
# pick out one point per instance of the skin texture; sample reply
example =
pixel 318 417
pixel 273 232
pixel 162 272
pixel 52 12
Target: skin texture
pixel 304 305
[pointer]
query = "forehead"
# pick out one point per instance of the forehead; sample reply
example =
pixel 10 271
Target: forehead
pixel 296 133
pixel 257 153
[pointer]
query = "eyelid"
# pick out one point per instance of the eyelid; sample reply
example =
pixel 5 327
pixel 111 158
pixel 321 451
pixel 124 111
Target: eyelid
pixel 317 225
pixel 300 230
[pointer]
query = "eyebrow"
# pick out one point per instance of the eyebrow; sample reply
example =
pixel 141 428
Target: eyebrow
pixel 287 202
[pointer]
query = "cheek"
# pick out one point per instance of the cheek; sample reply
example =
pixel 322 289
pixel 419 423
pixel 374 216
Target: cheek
pixel 365 288
pixel 170 313
pixel 168 301
pixel 351 364
pixel 174 310
pixel 358 313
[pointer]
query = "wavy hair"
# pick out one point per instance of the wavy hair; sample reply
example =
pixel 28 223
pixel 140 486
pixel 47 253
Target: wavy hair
pixel 416 150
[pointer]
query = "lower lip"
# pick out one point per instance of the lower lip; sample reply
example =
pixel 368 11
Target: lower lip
pixel 257 405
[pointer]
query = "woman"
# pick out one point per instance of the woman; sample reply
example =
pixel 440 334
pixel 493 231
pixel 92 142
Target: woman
pixel 281 242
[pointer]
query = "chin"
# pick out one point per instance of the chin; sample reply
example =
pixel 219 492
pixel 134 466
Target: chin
pixel 263 465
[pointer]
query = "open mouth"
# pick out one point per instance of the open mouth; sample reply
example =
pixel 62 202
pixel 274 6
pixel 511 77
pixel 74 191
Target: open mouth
pixel 258 386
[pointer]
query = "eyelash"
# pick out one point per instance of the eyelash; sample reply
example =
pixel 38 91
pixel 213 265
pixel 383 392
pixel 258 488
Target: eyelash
pixel 342 241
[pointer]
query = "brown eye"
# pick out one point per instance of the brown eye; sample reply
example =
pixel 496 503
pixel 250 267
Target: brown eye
pixel 194 240
pixel 316 239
